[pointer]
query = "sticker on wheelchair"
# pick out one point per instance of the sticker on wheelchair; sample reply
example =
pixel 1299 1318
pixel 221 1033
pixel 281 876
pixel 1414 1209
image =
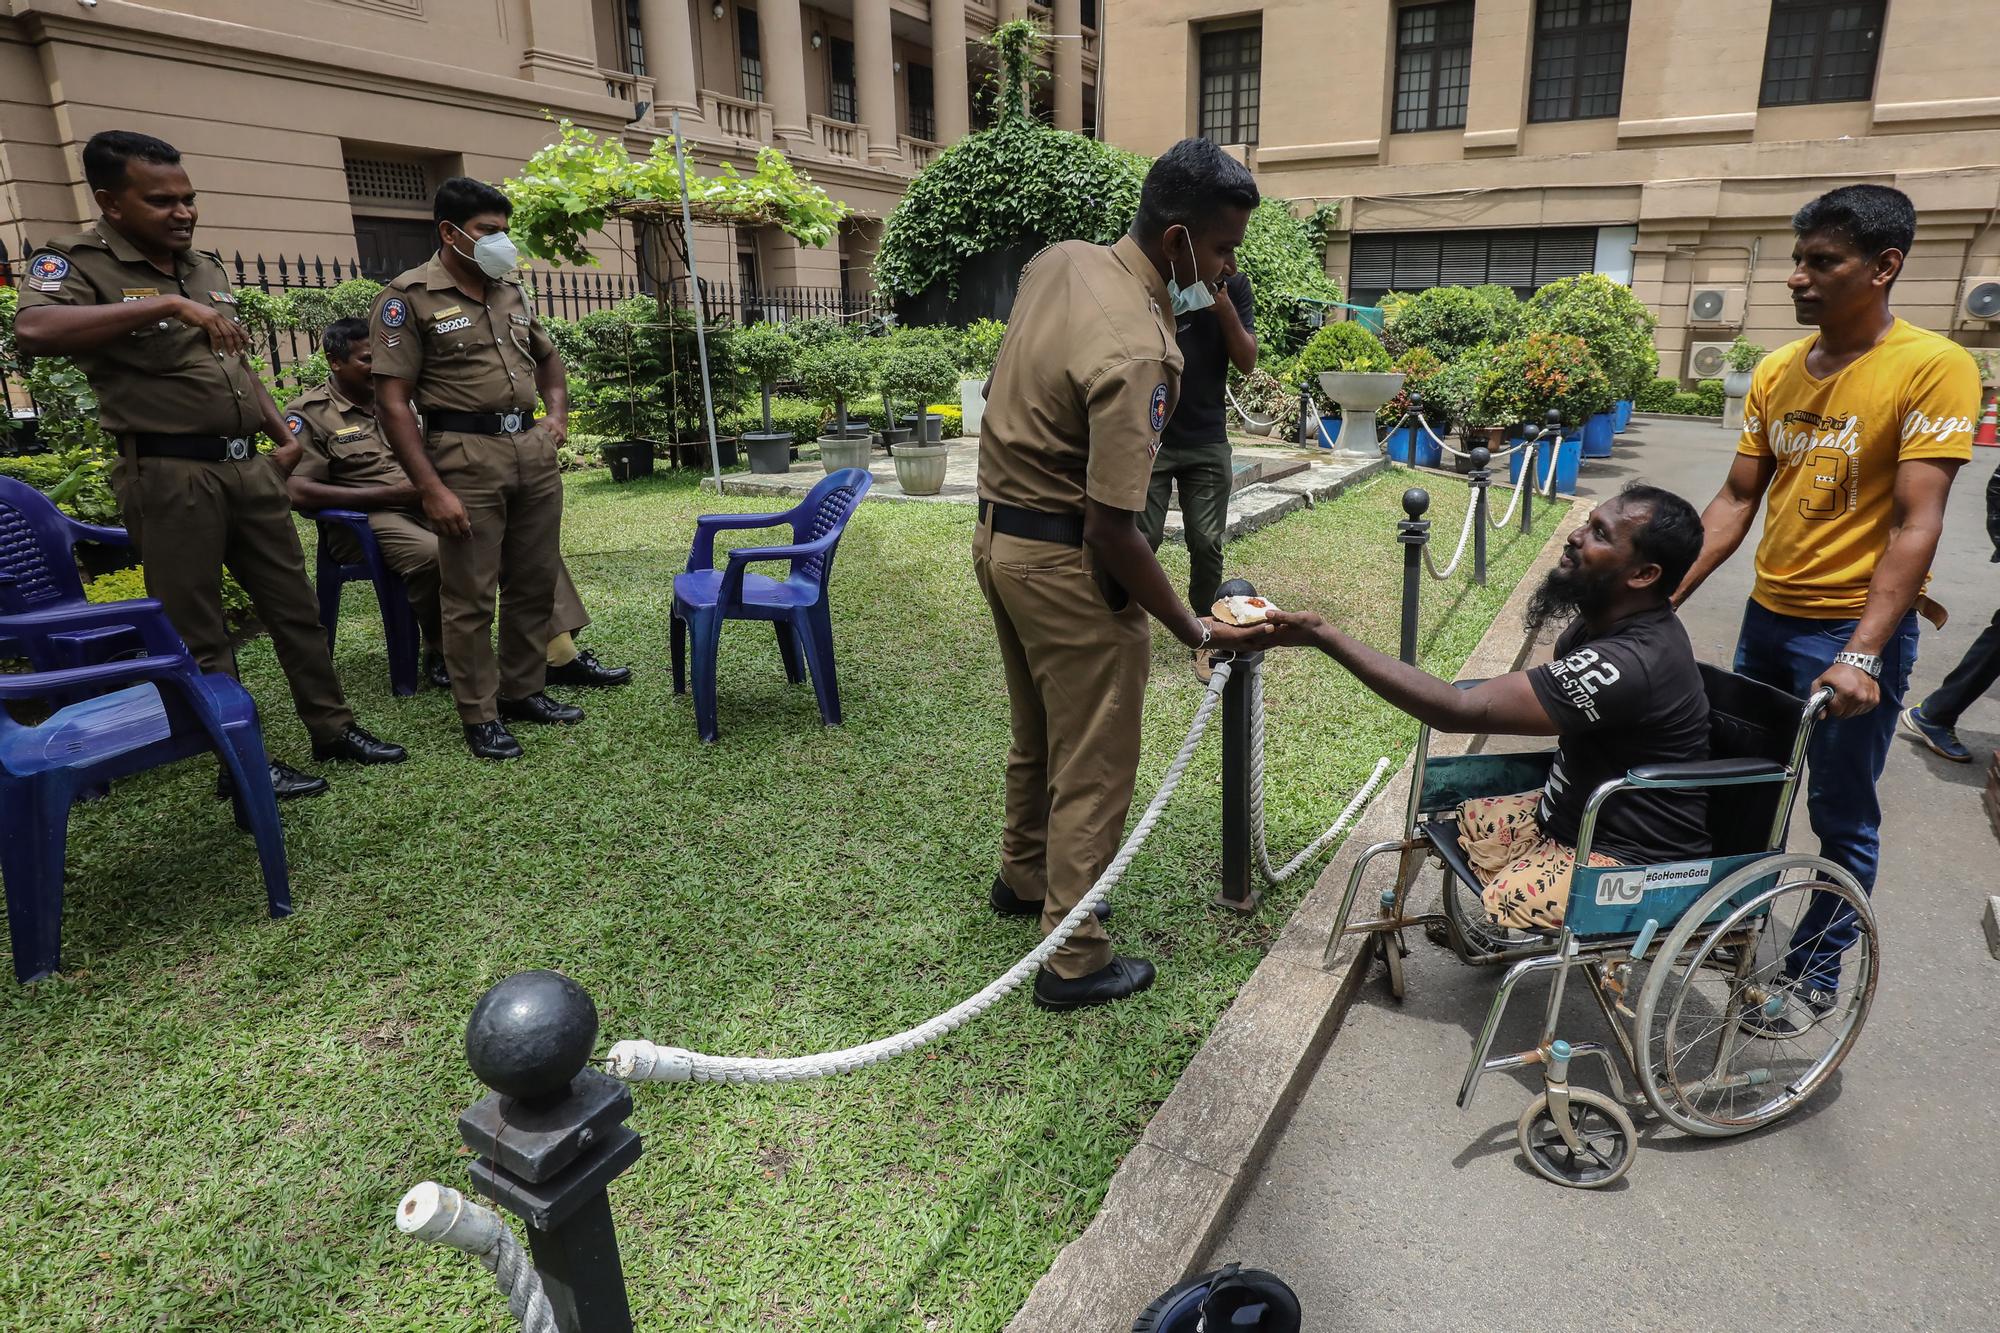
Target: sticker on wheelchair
pixel 1623 888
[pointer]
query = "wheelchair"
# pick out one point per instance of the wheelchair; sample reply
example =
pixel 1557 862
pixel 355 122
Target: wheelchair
pixel 1696 964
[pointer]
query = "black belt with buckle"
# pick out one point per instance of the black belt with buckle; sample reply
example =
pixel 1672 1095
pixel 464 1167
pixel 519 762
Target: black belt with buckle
pixel 200 448
pixel 1032 524
pixel 480 423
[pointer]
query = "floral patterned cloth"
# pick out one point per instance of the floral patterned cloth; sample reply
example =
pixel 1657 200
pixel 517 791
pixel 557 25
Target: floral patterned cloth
pixel 1524 875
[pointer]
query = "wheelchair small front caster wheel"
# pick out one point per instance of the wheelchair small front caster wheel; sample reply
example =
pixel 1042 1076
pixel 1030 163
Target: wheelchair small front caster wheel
pixel 1393 954
pixel 1602 1128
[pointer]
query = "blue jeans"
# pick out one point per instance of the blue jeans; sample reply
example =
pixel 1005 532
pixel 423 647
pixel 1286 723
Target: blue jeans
pixel 1844 761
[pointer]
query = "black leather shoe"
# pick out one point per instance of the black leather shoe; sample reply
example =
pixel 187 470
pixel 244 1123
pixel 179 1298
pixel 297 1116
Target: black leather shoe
pixel 434 672
pixel 358 747
pixel 585 670
pixel 1006 904
pixel 287 783
pixel 491 740
pixel 1114 981
pixel 539 707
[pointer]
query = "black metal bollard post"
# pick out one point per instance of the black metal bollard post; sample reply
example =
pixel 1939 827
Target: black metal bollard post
pixel 550 1138
pixel 1237 891
pixel 1413 532
pixel 1478 478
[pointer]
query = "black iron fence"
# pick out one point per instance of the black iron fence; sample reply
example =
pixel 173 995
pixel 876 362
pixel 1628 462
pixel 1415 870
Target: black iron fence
pixel 288 340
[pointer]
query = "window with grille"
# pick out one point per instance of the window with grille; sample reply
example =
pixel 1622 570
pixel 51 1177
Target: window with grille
pixel 1232 64
pixel 1821 51
pixel 1579 69
pixel 1433 66
pixel 749 57
pixel 840 87
pixel 635 41
pixel 923 103
pixel 387 180
pixel 1415 261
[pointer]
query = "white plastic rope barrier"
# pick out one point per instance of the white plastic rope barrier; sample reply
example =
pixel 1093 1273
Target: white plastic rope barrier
pixel 1464 531
pixel 1513 503
pixel 441 1215
pixel 1253 423
pixel 1319 844
pixel 641 1061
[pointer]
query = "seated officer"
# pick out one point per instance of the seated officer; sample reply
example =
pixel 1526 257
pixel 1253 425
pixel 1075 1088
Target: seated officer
pixel 348 465
pixel 1623 690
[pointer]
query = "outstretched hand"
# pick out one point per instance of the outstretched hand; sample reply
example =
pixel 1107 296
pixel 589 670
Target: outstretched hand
pixel 1227 638
pixel 1294 629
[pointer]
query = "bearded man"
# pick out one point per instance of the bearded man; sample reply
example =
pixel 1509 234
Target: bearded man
pixel 1623 690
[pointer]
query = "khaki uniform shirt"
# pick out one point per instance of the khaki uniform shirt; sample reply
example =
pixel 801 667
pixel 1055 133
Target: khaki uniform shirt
pixel 1086 379
pixel 165 378
pixel 462 356
pixel 342 443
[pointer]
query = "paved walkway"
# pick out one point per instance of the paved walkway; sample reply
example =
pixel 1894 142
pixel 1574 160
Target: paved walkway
pixel 1877 1206
pixel 1270 483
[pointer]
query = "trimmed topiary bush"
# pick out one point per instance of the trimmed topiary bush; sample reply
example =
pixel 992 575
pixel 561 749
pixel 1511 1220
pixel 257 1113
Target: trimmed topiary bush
pixel 1343 346
pixel 1685 405
pixel 1444 321
pixel 1656 394
pixel 1545 372
pixel 1612 322
pixel 1711 396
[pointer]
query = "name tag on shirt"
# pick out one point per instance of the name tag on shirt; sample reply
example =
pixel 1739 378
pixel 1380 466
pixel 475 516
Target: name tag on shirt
pixel 138 293
pixel 448 312
pixel 350 435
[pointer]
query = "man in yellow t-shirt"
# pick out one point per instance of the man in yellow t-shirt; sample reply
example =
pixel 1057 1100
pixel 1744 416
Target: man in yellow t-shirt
pixel 1850 437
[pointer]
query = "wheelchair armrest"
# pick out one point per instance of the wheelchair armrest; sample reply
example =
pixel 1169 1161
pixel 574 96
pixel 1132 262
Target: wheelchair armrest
pixel 1708 773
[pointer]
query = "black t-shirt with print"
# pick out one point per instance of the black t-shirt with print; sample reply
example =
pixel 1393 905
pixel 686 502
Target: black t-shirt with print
pixel 1199 417
pixel 1631 697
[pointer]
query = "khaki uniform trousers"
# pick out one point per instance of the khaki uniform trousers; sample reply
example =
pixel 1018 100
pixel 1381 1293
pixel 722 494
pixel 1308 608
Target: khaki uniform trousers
pixel 1076 685
pixel 1204 473
pixel 512 492
pixel 411 549
pixel 189 521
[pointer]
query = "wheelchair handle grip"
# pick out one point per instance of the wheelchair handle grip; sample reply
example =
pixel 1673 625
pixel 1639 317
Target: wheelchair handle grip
pixel 1816 706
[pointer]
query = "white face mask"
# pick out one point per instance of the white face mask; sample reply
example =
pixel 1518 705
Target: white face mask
pixel 495 255
pixel 1187 300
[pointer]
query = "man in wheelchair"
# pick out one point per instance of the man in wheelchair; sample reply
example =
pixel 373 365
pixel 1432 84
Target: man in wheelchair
pixel 1623 690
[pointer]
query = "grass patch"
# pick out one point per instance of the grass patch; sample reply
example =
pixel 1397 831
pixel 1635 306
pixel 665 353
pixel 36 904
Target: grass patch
pixel 206 1121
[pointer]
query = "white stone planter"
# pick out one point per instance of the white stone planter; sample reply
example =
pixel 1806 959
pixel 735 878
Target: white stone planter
pixel 837 452
pixel 920 468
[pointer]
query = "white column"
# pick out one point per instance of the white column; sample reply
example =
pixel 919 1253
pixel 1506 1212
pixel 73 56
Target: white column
pixel 1069 64
pixel 949 70
pixel 669 41
pixel 784 50
pixel 875 80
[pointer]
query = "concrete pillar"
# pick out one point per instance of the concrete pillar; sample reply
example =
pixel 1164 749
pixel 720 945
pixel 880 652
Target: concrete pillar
pixel 561 46
pixel 1009 10
pixel 784 48
pixel 669 39
pixel 949 65
pixel 875 80
pixel 1068 54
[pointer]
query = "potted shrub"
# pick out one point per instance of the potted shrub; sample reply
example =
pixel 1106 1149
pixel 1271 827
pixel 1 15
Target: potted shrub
pixel 978 350
pixel 1264 405
pixel 1351 352
pixel 914 374
pixel 1742 359
pixel 1444 321
pixel 836 371
pixel 1543 373
pixel 1453 395
pixel 767 354
pixel 1410 444
pixel 1617 328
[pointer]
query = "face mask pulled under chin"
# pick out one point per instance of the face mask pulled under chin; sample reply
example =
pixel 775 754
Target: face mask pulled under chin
pixel 495 255
pixel 1187 300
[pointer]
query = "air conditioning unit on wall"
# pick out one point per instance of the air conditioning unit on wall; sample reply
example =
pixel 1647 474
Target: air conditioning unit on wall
pixel 1708 361
pixel 1716 307
pixel 1980 300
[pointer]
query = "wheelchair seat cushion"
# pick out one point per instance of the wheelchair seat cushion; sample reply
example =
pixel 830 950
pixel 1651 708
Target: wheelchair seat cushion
pixel 1521 874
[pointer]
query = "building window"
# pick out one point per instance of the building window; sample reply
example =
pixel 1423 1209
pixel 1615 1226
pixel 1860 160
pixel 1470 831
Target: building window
pixel 1579 69
pixel 840 87
pixel 1821 51
pixel 1416 261
pixel 749 57
pixel 923 103
pixel 1232 63
pixel 1433 66
pixel 630 40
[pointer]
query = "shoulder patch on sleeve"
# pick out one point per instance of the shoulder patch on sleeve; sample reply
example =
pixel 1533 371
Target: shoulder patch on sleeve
pixel 395 313
pixel 48 267
pixel 1159 412
pixel 295 423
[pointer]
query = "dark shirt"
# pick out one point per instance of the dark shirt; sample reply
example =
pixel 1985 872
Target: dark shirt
pixel 1631 697
pixel 1200 418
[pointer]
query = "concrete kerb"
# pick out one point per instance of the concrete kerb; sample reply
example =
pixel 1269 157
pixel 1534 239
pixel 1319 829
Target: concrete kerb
pixel 1169 1198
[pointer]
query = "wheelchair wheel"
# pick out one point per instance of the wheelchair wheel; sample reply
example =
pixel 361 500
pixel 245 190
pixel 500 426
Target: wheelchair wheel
pixel 1462 903
pixel 1741 1021
pixel 1602 1128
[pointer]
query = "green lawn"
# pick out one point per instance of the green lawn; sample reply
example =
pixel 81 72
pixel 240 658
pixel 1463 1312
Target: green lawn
pixel 207 1120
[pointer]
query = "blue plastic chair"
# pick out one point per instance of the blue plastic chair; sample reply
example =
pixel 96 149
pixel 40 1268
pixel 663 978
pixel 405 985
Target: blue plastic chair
pixel 41 590
pixel 704 596
pixel 330 575
pixel 166 710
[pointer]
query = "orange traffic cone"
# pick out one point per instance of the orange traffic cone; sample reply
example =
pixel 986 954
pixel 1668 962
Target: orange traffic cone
pixel 1989 424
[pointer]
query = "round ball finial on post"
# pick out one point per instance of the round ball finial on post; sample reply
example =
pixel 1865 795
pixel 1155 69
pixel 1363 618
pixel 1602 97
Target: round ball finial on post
pixel 1555 419
pixel 1416 501
pixel 531 1035
pixel 1235 588
pixel 1481 456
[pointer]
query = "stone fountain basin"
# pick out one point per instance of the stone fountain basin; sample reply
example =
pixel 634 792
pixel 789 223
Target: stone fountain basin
pixel 1360 391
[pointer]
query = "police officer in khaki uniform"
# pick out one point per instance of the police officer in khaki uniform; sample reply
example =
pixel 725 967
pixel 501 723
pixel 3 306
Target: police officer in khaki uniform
pixel 153 324
pixel 459 339
pixel 348 465
pixel 1085 381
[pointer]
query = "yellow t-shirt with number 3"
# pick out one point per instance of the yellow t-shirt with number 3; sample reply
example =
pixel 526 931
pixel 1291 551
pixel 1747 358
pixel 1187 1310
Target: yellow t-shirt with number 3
pixel 1837 441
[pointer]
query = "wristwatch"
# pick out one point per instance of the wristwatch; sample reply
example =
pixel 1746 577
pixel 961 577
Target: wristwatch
pixel 1869 662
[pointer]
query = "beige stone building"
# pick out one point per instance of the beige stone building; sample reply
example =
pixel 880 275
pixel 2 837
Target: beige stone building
pixel 1662 142
pixel 319 127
